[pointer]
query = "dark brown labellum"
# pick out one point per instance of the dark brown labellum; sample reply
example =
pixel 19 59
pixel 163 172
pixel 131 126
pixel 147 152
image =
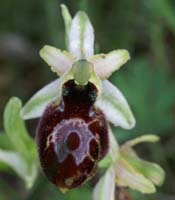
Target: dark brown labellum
pixel 72 136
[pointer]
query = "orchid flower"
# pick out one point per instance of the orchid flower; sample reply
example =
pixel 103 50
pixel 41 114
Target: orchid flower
pixel 73 135
pixel 77 68
pixel 125 169
pixel 80 44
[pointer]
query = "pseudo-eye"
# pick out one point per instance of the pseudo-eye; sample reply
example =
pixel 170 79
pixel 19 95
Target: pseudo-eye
pixel 72 135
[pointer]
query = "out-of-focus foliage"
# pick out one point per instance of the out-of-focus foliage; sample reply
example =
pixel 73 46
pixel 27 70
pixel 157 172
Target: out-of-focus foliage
pixel 151 99
pixel 145 28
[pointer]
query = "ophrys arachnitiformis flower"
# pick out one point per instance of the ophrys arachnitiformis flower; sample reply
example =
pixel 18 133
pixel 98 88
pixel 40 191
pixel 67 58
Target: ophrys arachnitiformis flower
pixel 72 135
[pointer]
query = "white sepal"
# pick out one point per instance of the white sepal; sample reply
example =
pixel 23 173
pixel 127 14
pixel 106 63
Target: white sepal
pixel 106 64
pixel 81 36
pixel 115 107
pixel 59 61
pixel 36 105
pixel 105 188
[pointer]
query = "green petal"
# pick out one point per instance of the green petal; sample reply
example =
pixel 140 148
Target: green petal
pixel 18 164
pixel 143 138
pixel 36 105
pixel 59 61
pixel 105 188
pixel 81 36
pixel 106 64
pixel 127 176
pixel 114 105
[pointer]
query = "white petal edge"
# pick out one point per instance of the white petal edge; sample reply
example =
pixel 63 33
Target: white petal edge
pixel 36 105
pixel 59 61
pixel 106 64
pixel 81 36
pixel 115 107
pixel 105 188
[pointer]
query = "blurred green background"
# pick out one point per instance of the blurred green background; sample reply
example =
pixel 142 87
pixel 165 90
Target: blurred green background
pixel 146 28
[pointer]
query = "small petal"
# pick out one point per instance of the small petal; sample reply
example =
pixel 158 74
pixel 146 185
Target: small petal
pixel 115 106
pixel 59 61
pixel 127 176
pixel 81 36
pixel 37 104
pixel 143 138
pixel 105 188
pixel 106 64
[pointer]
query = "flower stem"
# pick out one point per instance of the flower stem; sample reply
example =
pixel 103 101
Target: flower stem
pixel 122 193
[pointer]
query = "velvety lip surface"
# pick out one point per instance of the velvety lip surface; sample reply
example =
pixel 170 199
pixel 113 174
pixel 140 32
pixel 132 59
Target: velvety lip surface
pixel 72 136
